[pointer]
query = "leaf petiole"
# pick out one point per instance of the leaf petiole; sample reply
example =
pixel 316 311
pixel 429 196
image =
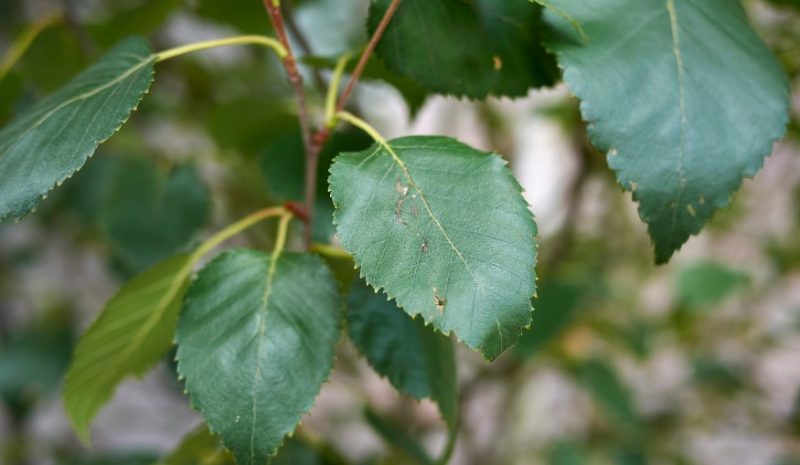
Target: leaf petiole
pixel 333 91
pixel 363 125
pixel 243 224
pixel 208 44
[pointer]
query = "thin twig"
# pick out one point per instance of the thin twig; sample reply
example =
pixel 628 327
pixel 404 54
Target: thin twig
pixel 321 137
pixel 290 64
pixel 302 41
pixel 365 56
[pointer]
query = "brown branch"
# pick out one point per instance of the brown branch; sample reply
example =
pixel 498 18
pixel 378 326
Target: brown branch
pixel 302 41
pixel 366 54
pixel 290 64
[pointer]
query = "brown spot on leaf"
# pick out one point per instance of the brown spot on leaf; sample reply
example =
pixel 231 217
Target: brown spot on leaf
pixel 439 301
pixel 425 246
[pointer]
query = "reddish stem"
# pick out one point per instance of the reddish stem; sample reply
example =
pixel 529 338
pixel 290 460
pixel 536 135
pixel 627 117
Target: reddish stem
pixel 311 154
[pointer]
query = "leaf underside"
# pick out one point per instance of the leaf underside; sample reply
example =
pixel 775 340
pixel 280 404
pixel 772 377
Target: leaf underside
pixel 467 49
pixel 443 228
pixel 255 344
pixel 134 331
pixel 414 358
pixel 682 95
pixel 48 143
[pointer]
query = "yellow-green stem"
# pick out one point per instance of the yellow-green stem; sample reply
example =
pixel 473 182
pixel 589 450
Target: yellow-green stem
pixel 363 125
pixel 238 40
pixel 333 91
pixel 23 42
pixel 240 226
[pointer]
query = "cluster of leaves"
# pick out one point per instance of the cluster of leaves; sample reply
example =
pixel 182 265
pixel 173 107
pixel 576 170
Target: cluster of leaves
pixel 683 97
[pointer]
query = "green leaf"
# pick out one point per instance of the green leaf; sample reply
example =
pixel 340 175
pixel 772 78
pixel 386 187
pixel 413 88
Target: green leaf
pixel 32 362
pixel 708 283
pixel 54 138
pixel 444 229
pixel 148 214
pixel 127 19
pixel 414 358
pixel 683 96
pixel 198 447
pixel 397 438
pixel 600 379
pixel 557 305
pixel 256 340
pixel 130 336
pixel 472 49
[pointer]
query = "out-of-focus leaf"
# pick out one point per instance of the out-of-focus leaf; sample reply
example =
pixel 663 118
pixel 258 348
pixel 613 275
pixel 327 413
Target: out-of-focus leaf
pixel 133 332
pixel 133 458
pixel 246 16
pixel 141 18
pixel 283 166
pixel 148 215
pixel 708 283
pixel 398 439
pixel 413 357
pixel 716 374
pixel 10 93
pixel 51 140
pixel 267 119
pixel 556 306
pixel 256 340
pixel 32 361
pixel 296 451
pixel 600 379
pixel 444 229
pixel 54 57
pixel 199 447
pixel 567 453
pixel 472 49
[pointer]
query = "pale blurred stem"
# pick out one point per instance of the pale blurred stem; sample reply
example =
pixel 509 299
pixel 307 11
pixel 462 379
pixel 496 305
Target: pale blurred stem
pixel 302 41
pixel 273 8
pixel 23 42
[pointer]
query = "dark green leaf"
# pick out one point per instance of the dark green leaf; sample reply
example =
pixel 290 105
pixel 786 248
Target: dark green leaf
pixel 683 96
pixel 148 215
pixel 32 361
pixel 414 358
pixel 556 306
pixel 133 332
pixel 48 143
pixel 600 379
pixel 708 283
pixel 397 438
pixel 256 340
pixel 198 447
pixel 472 49
pixel 142 18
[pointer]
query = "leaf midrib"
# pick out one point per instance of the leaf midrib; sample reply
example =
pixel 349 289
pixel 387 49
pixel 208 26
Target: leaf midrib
pixel 261 331
pixel 401 164
pixel 676 52
pixel 88 94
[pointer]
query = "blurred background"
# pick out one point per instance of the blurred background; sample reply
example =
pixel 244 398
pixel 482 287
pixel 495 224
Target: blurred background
pixel 696 362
